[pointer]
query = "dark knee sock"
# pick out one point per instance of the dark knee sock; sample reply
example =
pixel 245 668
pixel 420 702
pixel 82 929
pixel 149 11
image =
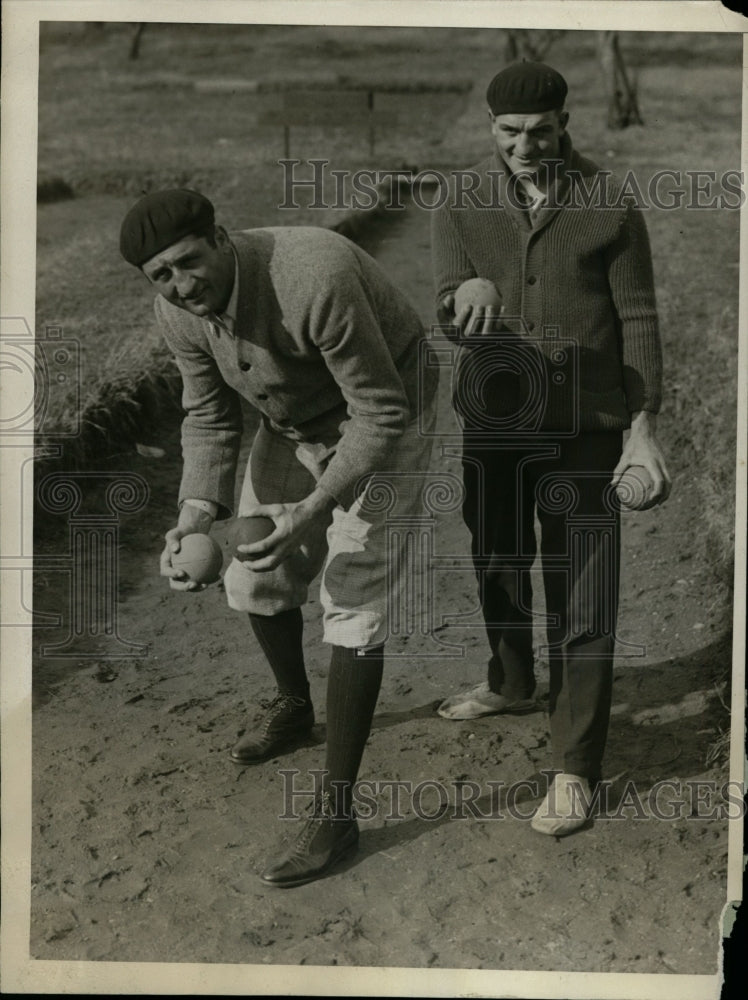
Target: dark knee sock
pixel 352 691
pixel 280 637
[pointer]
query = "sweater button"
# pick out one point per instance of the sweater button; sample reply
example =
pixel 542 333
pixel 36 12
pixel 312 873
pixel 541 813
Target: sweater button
pixel 531 280
pixel 245 366
pixel 531 325
pixel 262 395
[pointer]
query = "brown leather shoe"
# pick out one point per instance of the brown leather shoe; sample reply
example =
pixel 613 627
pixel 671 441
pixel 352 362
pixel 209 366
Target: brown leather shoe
pixel 323 841
pixel 287 721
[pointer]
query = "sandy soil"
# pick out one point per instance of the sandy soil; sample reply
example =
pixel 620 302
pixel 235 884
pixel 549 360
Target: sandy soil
pixel 147 841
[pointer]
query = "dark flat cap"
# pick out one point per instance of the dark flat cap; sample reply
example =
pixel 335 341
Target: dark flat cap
pixel 526 88
pixel 160 219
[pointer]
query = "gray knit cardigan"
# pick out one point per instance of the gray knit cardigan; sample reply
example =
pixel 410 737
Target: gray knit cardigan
pixel 577 286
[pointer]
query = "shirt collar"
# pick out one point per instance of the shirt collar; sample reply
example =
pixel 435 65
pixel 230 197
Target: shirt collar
pixel 535 197
pixel 227 319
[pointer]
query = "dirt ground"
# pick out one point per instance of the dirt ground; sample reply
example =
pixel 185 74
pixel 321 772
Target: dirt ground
pixel 147 841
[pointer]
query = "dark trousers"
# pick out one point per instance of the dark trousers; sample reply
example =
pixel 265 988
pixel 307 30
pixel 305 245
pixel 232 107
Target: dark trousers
pixel 567 484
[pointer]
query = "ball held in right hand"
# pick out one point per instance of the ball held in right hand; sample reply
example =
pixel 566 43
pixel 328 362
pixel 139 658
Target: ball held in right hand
pixel 200 557
pixel 477 292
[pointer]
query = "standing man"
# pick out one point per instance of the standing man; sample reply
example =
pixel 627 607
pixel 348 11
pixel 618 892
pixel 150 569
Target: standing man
pixel 305 327
pixel 545 395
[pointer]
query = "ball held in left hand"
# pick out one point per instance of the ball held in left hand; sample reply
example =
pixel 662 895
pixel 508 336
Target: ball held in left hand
pixel 246 531
pixel 200 557
pixel 634 488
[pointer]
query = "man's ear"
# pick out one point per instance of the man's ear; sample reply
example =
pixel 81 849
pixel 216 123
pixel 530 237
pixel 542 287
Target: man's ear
pixel 222 238
pixel 563 119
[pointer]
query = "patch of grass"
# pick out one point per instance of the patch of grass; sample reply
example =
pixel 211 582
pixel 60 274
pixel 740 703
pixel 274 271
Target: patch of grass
pixel 718 753
pixel 699 315
pixel 99 111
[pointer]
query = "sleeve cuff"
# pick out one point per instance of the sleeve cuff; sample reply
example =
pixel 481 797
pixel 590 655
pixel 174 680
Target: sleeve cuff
pixel 205 505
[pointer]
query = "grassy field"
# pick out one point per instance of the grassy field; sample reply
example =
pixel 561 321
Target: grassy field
pixel 111 127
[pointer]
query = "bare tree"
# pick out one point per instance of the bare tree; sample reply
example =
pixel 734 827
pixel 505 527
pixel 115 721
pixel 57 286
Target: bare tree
pixel 529 44
pixel 623 106
pixel 135 43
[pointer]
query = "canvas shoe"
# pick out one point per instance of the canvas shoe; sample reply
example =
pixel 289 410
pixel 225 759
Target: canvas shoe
pixel 480 701
pixel 564 809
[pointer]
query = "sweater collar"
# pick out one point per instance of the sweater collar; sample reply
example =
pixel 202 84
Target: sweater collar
pixel 246 299
pixel 227 319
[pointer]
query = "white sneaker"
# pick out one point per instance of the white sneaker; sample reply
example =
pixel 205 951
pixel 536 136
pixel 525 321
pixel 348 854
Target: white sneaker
pixel 564 809
pixel 480 701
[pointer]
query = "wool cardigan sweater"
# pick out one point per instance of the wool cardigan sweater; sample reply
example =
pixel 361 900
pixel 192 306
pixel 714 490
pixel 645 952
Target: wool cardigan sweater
pixel 581 272
pixel 324 346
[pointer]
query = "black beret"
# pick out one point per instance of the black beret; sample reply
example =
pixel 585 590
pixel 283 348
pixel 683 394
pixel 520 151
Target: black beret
pixel 526 88
pixel 160 219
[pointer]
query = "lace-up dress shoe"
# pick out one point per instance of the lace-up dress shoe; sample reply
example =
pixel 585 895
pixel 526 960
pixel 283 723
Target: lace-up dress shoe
pixel 287 721
pixel 324 840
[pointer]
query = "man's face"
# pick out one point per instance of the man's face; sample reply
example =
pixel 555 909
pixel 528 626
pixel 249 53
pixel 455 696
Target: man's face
pixel 194 275
pixel 524 141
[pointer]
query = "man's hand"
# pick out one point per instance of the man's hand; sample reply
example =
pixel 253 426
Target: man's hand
pixel 642 448
pixel 471 321
pixel 192 520
pixel 293 522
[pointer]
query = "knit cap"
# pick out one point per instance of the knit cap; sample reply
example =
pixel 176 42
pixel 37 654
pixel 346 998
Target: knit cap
pixel 526 88
pixel 160 219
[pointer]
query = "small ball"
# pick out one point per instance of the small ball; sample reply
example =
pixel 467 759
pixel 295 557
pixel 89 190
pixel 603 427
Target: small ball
pixel 246 530
pixel 634 488
pixel 200 557
pixel 477 292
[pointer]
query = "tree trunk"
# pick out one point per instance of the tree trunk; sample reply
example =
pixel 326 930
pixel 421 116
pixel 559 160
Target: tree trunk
pixel 623 107
pixel 529 44
pixel 135 43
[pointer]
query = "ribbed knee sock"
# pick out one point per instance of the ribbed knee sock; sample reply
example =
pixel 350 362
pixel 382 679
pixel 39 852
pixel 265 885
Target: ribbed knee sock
pixel 352 691
pixel 280 637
